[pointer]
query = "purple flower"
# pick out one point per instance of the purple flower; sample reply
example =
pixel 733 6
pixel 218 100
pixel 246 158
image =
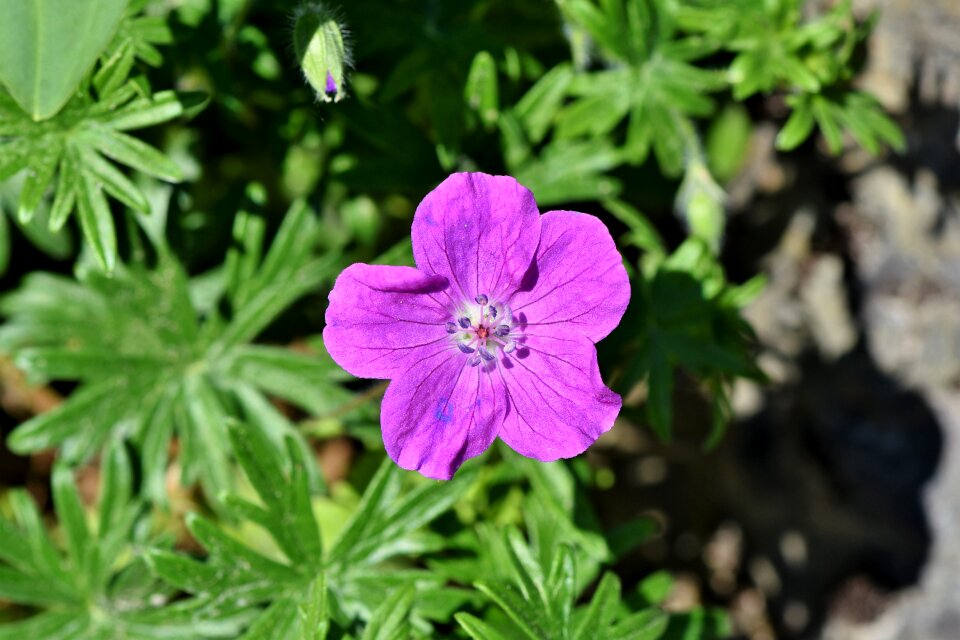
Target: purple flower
pixel 492 335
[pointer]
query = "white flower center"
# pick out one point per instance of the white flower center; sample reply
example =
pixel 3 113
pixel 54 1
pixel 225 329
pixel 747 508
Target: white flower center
pixel 481 328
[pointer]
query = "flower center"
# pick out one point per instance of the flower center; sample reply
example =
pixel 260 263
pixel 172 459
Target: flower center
pixel 481 328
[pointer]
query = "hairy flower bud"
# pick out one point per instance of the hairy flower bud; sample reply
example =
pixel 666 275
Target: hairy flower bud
pixel 321 47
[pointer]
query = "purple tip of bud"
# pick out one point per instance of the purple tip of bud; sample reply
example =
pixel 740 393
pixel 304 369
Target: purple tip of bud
pixel 465 348
pixel 331 84
pixel 493 311
pixel 464 322
pixel 481 299
pixel 501 331
pixel 451 327
pixel 486 355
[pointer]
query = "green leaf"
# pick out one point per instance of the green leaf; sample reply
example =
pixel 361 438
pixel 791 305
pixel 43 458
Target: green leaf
pixel 42 554
pixel 158 108
pixel 660 401
pixel 306 380
pixel 481 92
pixel 315 611
pixel 264 574
pixel 183 572
pixel 728 141
pixel 42 166
pixel 288 514
pixel 645 625
pixel 49 45
pixel 642 232
pixel 68 185
pixel 391 619
pixel 530 620
pixel 49 624
pixel 131 152
pixel 205 441
pixel 116 487
pixel 561 586
pixel 381 492
pixel 390 524
pixel 477 628
pixel 72 519
pixel 14 156
pixel 96 221
pixel 275 623
pixel 538 108
pixel 797 129
pixel 601 610
pixel 4 242
pixel 32 589
pixel 244 256
pixel 114 182
pixel 82 414
pixel 827 116
pixel 605 31
pixel 270 301
pixel 656 587
pixel 115 70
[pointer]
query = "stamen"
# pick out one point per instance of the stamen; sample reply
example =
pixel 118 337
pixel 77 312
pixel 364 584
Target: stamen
pixel 474 361
pixel 464 348
pixel 464 322
pixel 502 330
pixel 451 327
pixel 481 299
pixel 486 355
pixel 510 347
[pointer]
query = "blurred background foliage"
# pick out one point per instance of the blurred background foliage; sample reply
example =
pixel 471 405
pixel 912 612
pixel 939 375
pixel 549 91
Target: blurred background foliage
pixel 175 319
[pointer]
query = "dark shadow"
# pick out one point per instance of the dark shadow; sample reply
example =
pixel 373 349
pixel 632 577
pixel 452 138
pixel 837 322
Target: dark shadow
pixel 838 461
pixel 824 485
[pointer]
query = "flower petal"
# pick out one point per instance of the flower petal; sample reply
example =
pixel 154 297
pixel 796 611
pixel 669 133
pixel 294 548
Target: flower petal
pixel 441 413
pixel 478 231
pixel 380 319
pixel 577 280
pixel 558 405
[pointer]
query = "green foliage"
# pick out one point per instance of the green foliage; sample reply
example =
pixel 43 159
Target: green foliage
pixel 177 369
pixel 539 602
pixel 49 45
pixel 98 586
pixel 72 147
pixel 604 106
pixel 686 318
pixel 655 82
pixel 776 49
pixel 304 584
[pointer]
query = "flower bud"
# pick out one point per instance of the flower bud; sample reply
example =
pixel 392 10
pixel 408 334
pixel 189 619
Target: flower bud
pixel 321 48
pixel 700 201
